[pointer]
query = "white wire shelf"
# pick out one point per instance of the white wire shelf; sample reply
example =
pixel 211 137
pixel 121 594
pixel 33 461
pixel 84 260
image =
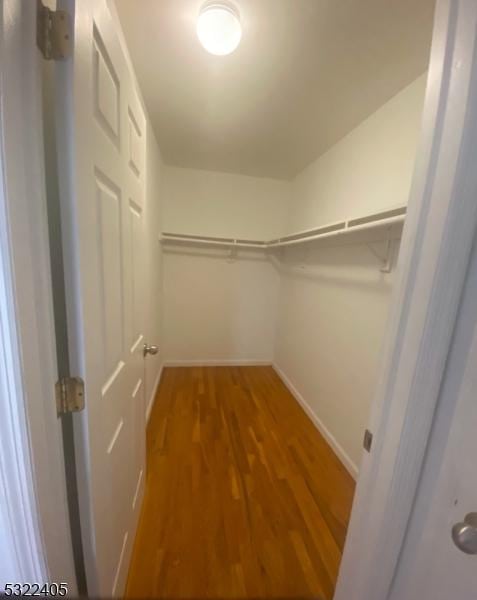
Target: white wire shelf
pixel 383 219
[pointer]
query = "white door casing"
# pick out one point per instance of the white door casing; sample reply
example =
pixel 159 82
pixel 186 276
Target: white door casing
pixel 102 157
pixel 436 248
pixel 432 565
pixel 34 526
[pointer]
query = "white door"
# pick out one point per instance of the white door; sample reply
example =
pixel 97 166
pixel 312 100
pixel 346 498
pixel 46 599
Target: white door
pixel 102 157
pixel 433 566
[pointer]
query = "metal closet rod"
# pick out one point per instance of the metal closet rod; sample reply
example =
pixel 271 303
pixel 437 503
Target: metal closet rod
pixel 385 218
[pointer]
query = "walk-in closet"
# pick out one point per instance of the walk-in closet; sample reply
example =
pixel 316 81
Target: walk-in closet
pixel 233 188
pixel 284 174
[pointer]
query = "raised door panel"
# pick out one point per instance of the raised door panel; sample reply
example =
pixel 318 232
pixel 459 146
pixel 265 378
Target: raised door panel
pixel 136 158
pixel 110 251
pixel 137 296
pixel 119 509
pixel 139 426
pixel 106 90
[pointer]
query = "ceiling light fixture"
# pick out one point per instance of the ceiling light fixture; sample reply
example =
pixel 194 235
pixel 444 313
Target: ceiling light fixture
pixel 218 28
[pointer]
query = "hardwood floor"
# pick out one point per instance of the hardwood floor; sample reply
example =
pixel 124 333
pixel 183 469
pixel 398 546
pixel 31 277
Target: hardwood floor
pixel 244 498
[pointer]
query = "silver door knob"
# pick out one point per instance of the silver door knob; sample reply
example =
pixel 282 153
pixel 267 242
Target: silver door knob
pixel 465 534
pixel 150 349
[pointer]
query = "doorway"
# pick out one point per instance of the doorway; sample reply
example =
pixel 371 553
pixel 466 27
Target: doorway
pixel 268 303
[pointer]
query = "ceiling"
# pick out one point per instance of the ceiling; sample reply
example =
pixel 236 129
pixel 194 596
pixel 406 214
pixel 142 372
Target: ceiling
pixel 304 75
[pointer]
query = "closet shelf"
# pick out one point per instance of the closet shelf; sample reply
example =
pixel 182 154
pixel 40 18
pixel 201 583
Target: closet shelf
pixel 383 219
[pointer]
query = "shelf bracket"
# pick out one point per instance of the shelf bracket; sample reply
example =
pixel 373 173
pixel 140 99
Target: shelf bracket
pixel 388 258
pixel 388 261
pixel 232 253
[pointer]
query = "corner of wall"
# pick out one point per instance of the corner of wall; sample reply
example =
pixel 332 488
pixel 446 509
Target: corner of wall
pixel 344 458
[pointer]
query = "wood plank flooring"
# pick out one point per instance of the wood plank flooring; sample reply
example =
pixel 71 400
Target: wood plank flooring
pixel 244 498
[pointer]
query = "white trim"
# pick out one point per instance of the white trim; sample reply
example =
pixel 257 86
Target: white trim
pixel 437 242
pixel 349 465
pixel 18 507
pixel 218 363
pixel 33 503
pixel 150 403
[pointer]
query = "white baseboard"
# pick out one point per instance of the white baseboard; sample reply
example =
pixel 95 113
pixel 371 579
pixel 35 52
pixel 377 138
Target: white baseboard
pixel 153 395
pixel 350 466
pixel 217 363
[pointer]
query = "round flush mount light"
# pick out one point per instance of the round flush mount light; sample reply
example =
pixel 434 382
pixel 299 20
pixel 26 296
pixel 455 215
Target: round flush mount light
pixel 218 28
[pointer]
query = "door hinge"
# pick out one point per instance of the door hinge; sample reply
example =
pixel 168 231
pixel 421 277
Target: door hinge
pixel 367 440
pixel 53 32
pixel 69 395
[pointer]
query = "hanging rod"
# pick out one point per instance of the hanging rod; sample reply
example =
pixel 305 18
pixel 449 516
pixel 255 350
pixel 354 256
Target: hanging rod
pixel 385 218
pixel 212 241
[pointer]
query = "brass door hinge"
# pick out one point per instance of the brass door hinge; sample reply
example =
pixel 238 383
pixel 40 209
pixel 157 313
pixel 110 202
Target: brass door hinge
pixel 53 32
pixel 69 395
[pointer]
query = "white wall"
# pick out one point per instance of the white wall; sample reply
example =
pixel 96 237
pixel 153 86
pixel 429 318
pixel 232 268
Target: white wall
pixel 333 298
pixel 216 310
pixel 331 321
pixel 219 204
pixel 368 170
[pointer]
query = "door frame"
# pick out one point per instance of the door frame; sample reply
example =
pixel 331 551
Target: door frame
pixel 431 274
pixel 437 241
pixel 33 507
